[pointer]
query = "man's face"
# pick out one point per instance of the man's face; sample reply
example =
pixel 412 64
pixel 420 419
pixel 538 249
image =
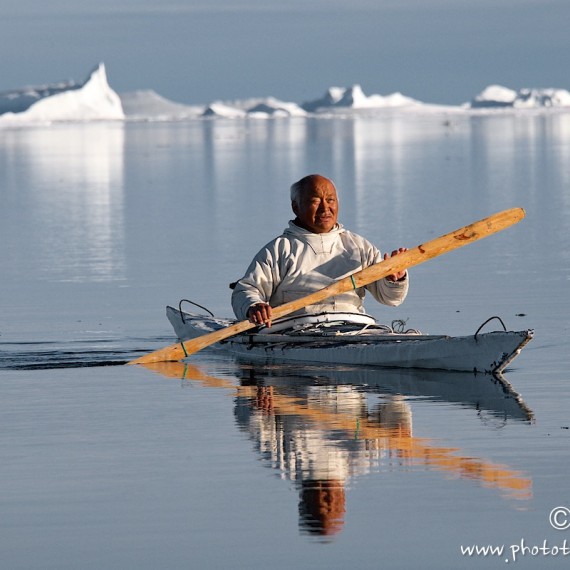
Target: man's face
pixel 318 207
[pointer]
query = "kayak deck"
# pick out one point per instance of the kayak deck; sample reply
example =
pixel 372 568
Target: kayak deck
pixel 336 342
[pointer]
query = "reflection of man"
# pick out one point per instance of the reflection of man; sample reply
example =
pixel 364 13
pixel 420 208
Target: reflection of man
pixel 322 506
pixel 310 434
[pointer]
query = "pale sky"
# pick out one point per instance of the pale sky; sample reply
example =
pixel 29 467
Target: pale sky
pixel 197 51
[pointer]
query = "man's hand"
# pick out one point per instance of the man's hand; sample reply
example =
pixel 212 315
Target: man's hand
pixel 260 314
pixel 401 274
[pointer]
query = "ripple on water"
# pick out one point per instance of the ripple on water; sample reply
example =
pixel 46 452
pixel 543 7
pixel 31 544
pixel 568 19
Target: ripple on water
pixel 75 354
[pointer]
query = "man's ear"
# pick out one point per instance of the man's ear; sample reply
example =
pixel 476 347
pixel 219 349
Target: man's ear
pixel 295 208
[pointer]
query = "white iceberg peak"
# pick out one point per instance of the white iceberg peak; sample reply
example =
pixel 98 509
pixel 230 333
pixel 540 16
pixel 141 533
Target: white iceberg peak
pixel 90 100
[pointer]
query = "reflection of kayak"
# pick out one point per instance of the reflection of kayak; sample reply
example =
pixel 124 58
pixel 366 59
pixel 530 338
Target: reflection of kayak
pixel 300 409
pixel 358 339
pixel 490 394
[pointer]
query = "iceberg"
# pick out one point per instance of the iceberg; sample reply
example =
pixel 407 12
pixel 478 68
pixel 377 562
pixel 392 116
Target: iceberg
pixel 256 108
pixel 276 108
pixel 222 110
pixel 331 97
pixel 149 105
pixel 354 98
pixel 496 96
pixel 536 98
pixel 91 100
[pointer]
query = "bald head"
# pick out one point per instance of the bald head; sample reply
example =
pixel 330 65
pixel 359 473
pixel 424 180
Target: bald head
pixel 315 203
pixel 307 182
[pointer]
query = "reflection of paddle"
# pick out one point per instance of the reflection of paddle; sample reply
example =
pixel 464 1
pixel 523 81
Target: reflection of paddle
pixel 410 258
pixel 445 459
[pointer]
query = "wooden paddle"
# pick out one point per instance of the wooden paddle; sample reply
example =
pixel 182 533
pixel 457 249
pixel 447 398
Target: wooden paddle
pixel 410 258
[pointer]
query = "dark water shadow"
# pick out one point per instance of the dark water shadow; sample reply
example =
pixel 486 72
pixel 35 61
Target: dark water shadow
pixel 46 355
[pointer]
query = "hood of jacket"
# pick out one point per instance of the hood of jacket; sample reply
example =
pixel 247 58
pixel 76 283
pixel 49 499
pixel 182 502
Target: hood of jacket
pixel 319 243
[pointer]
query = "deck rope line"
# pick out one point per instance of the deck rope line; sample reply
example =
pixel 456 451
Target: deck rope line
pixel 353 283
pixel 488 320
pixel 398 327
pixel 192 303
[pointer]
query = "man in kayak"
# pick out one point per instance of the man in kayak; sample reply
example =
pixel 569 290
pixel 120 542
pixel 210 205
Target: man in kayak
pixel 313 252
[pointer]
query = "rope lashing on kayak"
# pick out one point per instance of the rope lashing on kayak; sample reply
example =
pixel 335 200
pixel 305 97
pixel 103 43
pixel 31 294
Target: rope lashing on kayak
pixel 487 321
pixel 335 328
pixel 353 283
pixel 398 327
pixel 196 305
pixel 184 320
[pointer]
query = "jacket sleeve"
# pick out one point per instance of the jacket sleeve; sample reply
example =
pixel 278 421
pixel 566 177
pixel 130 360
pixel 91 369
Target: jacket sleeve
pixel 387 292
pixel 256 286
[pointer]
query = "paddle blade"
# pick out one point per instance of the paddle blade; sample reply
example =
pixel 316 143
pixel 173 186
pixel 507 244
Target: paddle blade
pixel 438 246
pixel 420 254
pixel 181 350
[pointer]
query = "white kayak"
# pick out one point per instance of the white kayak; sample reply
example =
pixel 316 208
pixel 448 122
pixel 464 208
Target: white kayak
pixel 357 339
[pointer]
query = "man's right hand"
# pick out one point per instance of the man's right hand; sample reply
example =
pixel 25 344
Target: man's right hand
pixel 260 314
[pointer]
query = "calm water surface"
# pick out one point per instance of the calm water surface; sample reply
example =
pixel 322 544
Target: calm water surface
pixel 219 464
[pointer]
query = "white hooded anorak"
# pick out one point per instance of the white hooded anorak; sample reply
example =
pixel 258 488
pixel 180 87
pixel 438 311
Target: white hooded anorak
pixel 300 262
